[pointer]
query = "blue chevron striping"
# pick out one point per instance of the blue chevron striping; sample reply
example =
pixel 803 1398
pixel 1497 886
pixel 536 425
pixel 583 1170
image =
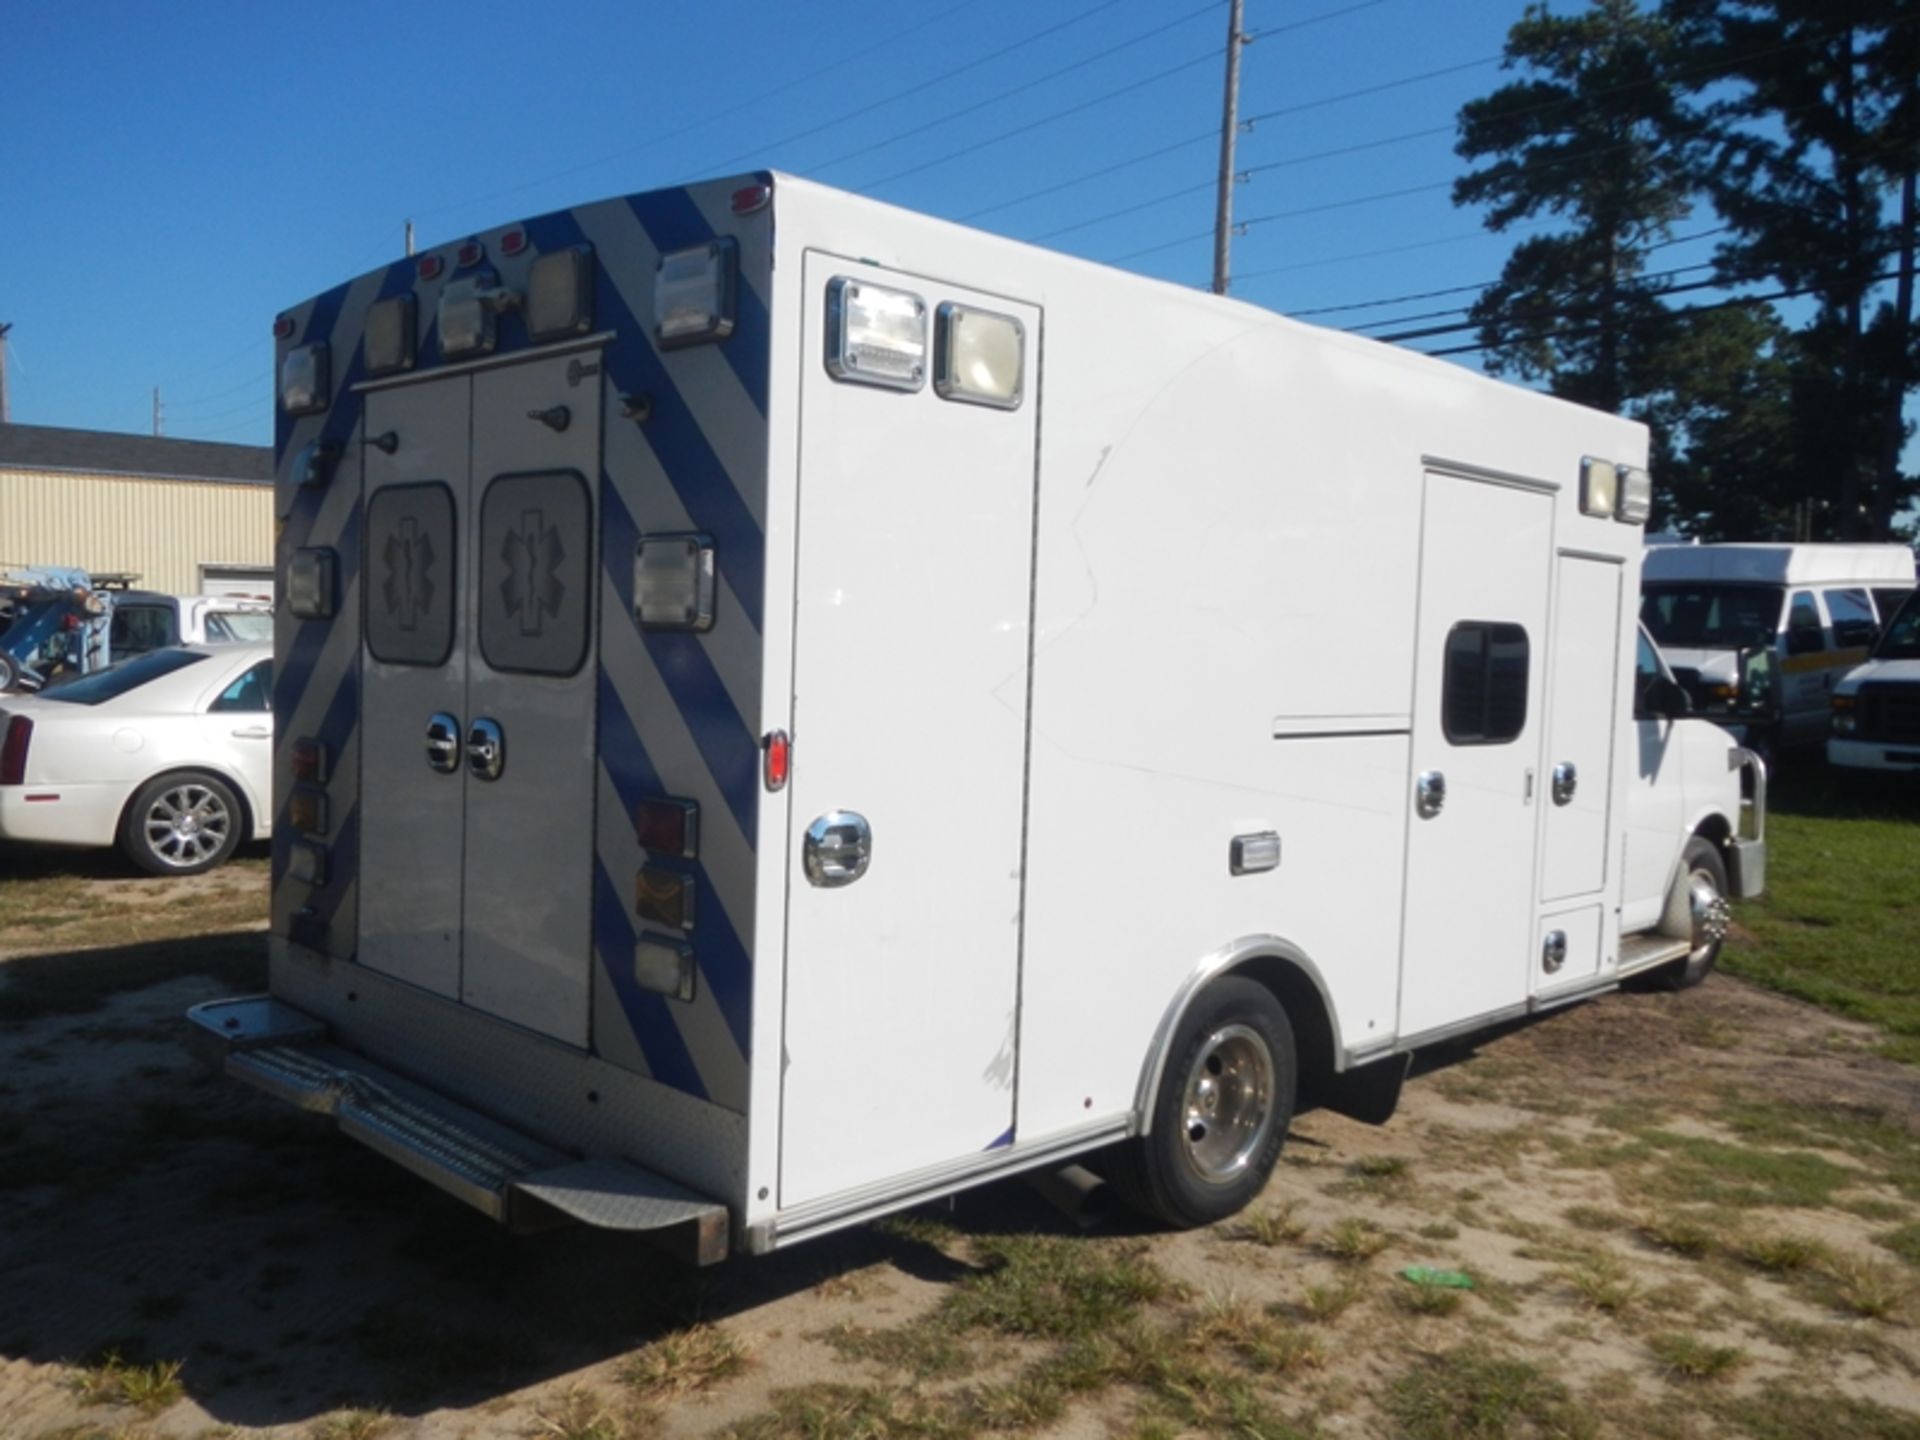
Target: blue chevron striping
pixel 724 963
pixel 673 222
pixel 705 489
pixel 653 1024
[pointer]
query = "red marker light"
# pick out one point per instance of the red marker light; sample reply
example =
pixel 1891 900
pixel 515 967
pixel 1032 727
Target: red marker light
pixel 779 758
pixel 471 254
pixel 513 242
pixel 431 266
pixel 283 328
pixel 751 198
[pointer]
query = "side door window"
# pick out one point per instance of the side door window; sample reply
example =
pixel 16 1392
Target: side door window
pixel 137 629
pixel 1804 635
pixel 1852 614
pixel 1484 691
pixel 253 691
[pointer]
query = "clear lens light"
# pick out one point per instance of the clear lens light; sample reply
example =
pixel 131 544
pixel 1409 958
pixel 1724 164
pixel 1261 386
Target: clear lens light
pixel 304 376
pixel 693 293
pixel 979 356
pixel 1636 496
pixel 1599 488
pixel 389 335
pixel 664 967
pixel 560 294
pixel 876 336
pixel 673 582
pixel 466 319
pixel 310 585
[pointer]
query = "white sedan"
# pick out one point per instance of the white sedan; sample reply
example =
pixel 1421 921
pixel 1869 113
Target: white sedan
pixel 166 755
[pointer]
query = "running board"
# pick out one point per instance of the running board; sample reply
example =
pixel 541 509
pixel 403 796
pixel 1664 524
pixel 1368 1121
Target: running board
pixel 1643 952
pixel 504 1174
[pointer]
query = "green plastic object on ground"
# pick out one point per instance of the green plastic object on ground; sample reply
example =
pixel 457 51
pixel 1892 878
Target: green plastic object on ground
pixel 1441 1279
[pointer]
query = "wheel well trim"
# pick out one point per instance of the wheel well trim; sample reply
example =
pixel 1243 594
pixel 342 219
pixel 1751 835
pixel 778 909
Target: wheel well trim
pixel 249 821
pixel 1224 961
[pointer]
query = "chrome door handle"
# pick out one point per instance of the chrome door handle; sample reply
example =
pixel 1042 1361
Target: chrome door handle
pixel 253 732
pixel 443 743
pixel 486 749
pixel 839 845
pixel 1566 780
pixel 1429 794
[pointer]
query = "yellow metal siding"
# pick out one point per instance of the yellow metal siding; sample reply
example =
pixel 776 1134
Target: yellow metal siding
pixel 162 529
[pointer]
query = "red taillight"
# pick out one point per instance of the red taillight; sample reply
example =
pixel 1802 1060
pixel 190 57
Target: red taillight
pixel 751 198
pixel 13 751
pixel 779 755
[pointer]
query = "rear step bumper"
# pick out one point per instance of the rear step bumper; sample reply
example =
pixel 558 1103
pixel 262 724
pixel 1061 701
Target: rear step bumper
pixel 504 1174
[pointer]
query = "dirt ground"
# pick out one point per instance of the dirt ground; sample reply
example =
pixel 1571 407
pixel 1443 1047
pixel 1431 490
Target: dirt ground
pixel 1678 1215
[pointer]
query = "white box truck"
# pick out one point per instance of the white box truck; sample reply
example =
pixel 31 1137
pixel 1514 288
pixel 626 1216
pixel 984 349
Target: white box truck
pixel 788 708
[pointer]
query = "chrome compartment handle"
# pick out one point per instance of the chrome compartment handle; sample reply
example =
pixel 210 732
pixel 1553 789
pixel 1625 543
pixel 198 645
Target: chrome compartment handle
pixel 1429 794
pixel 838 847
pixel 486 749
pixel 443 743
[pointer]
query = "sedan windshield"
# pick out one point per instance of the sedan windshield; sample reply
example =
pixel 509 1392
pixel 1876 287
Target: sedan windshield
pixel 1902 638
pixel 117 680
pixel 1711 617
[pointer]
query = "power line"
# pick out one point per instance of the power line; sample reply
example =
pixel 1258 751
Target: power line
pixel 261 379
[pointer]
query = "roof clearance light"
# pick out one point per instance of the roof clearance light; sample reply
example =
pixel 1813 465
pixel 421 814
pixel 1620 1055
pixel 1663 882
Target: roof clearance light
pixel 283 328
pixel 470 255
pixel 1599 487
pixel 1636 496
pixel 876 336
pixel 304 380
pixel 513 242
pixel 664 966
pixel 750 198
pixel 977 356
pixel 431 266
pixel 693 293
pixel 466 316
pixel 560 293
pixel 673 582
pixel 389 340
pixel 310 584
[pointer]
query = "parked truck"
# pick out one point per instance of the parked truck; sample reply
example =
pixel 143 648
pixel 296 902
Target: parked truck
pixel 787 708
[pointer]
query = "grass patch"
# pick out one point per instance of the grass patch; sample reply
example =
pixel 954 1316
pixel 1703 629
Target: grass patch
pixel 1353 1241
pixel 927 1351
pixel 1603 1284
pixel 1323 1304
pixel 1380 1176
pixel 1781 1254
pixel 1471 1393
pixel 1782 1411
pixel 686 1362
pixel 1687 1357
pixel 1439 1230
pixel 1270 1227
pixel 148 1388
pixel 1834 859
pixel 1427 1301
pixel 1866 1288
pixel 852 1412
pixel 1904 1242
pixel 1678 1235
pixel 1054 1287
pixel 1592 1217
pixel 580 1414
pixel 351 1425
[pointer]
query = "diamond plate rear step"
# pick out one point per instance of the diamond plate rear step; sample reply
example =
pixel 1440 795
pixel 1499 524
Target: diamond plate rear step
pixel 515 1179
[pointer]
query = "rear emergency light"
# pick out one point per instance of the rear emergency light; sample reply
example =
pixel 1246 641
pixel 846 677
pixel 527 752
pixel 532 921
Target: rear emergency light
pixel 668 827
pixel 13 751
pixel 307 865
pixel 310 762
pixel 560 293
pixel 664 966
pixel 305 380
pixel 693 293
pixel 664 897
pixel 389 336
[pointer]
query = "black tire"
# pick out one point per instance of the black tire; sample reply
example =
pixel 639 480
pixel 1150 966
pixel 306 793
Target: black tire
pixel 1218 1123
pixel 1706 878
pixel 182 824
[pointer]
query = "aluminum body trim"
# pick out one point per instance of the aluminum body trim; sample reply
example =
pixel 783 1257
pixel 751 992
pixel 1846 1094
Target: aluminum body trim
pixel 486 362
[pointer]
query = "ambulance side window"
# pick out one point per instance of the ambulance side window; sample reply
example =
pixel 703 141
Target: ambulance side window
pixel 410 595
pixel 1484 692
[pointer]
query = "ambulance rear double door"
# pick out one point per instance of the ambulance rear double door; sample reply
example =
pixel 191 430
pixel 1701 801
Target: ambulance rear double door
pixel 477 785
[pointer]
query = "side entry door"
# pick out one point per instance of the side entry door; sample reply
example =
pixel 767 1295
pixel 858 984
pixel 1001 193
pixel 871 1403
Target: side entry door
pixel 909 752
pixel 1477 725
pixel 477 733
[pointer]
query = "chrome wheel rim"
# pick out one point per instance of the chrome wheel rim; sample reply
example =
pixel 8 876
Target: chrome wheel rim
pixel 1227 1103
pixel 186 825
pixel 1712 916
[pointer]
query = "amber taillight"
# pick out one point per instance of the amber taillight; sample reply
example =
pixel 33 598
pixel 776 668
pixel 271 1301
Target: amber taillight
pixel 13 751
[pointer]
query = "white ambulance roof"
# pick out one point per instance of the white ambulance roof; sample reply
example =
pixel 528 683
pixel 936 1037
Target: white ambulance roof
pixel 1781 564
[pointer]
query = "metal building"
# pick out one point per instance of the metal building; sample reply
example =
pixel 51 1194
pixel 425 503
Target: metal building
pixel 186 516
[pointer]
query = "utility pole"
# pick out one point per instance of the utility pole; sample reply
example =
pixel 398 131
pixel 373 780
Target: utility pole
pixel 6 413
pixel 409 237
pixel 156 412
pixel 1229 125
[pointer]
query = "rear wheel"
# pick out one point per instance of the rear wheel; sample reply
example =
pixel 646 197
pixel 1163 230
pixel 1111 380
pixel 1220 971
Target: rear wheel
pixel 181 824
pixel 1221 1112
pixel 1709 914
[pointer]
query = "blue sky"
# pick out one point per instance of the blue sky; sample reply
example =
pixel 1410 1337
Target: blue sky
pixel 173 175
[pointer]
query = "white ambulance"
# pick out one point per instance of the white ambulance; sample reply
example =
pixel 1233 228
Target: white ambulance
pixel 788 708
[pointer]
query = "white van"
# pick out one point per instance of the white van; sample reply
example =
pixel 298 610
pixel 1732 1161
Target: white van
pixel 1759 634
pixel 1876 708
pixel 775 723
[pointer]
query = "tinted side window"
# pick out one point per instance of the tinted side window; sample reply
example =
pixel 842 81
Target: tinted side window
pixel 1890 599
pixel 252 691
pixel 1852 614
pixel 1803 626
pixel 139 628
pixel 1484 691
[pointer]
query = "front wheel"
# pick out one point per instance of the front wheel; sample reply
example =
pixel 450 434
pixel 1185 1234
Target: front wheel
pixel 1221 1113
pixel 1708 912
pixel 181 824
